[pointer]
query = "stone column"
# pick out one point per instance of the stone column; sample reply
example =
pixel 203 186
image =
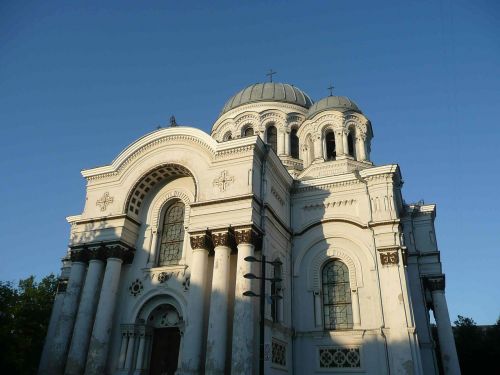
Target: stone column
pixel 75 364
pixel 139 363
pixel 193 336
pixel 345 142
pixel 339 143
pixel 449 356
pixel 243 319
pixel 217 324
pixel 62 336
pixel 361 148
pixel 281 141
pixel 287 143
pixel 54 320
pixel 99 342
pixel 318 148
pixel 129 357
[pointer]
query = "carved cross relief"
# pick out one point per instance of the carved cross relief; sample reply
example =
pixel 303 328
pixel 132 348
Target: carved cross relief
pixel 223 181
pixel 104 201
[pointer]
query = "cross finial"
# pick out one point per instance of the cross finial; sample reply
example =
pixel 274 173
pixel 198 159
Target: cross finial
pixel 270 74
pixel 331 89
pixel 172 121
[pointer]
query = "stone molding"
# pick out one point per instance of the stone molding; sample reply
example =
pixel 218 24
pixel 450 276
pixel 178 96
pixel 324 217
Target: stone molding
pixel 435 283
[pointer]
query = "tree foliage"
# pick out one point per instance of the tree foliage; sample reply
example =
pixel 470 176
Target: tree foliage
pixel 24 318
pixel 478 347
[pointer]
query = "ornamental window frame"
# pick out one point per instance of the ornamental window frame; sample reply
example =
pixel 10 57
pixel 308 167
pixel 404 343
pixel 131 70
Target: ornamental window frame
pixel 161 227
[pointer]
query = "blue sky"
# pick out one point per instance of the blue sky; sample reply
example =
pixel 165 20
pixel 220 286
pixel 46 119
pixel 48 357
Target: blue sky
pixel 79 81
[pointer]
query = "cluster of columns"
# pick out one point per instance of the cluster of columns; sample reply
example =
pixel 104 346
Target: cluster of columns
pixel 449 356
pixel 242 347
pixel 81 335
pixel 136 338
pixel 341 147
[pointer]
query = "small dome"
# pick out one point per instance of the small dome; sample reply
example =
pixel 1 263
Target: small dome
pixel 268 92
pixel 336 103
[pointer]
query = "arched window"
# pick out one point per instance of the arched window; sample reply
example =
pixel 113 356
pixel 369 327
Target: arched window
pixel 330 146
pixel 248 132
pixel 350 143
pixel 272 137
pixel 172 235
pixel 294 144
pixel 337 307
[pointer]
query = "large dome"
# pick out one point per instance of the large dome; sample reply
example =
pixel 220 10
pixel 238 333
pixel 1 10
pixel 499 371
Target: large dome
pixel 336 103
pixel 269 91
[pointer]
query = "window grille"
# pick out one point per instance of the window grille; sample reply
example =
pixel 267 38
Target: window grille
pixel 278 353
pixel 337 307
pixel 339 357
pixel 172 235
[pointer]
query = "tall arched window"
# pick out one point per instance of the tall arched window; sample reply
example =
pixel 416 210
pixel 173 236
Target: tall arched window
pixel 248 132
pixel 337 307
pixel 294 144
pixel 272 137
pixel 350 143
pixel 172 235
pixel 330 146
pixel 227 136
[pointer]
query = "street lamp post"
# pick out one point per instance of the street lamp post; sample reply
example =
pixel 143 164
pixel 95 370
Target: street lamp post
pixel 262 297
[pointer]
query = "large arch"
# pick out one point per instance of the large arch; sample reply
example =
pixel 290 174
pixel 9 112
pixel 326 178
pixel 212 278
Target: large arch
pixel 148 180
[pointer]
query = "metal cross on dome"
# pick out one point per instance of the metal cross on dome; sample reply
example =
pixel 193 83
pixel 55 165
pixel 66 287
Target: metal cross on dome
pixel 270 74
pixel 331 89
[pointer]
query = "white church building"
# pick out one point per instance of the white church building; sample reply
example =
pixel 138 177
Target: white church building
pixel 153 281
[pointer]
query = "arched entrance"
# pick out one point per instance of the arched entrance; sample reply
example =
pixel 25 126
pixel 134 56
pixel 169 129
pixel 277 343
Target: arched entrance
pixel 165 321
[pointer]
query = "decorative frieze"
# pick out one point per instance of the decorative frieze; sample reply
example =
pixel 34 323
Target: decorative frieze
pixel 222 239
pixel 278 197
pixel 435 283
pixel 102 251
pixel 330 204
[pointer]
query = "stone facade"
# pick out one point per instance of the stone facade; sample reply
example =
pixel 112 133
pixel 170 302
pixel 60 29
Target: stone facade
pixel 153 281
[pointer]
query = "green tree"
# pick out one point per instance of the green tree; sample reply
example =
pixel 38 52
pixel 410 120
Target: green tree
pixel 24 317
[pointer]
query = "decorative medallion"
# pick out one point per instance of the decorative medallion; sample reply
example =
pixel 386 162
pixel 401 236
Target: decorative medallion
pixel 223 180
pixel 389 258
pixel 104 201
pixel 136 287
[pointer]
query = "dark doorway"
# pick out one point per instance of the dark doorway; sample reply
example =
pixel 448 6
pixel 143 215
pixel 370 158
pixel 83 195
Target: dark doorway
pixel 165 352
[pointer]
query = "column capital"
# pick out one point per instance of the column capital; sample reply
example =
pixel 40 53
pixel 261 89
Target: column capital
pixel 435 283
pixel 223 237
pixel 248 235
pixel 79 255
pixel 97 252
pixel 200 240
